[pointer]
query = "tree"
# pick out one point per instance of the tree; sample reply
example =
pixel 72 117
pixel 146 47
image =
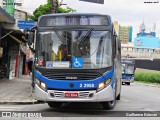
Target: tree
pixel 47 9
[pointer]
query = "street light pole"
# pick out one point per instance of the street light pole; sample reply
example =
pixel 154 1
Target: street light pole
pixel 54 6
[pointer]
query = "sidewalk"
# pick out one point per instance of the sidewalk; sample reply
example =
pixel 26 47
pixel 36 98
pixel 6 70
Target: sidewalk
pixel 145 84
pixel 18 91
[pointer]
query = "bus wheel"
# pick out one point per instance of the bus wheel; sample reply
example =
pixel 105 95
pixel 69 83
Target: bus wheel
pixel 109 104
pixel 128 83
pixel 55 104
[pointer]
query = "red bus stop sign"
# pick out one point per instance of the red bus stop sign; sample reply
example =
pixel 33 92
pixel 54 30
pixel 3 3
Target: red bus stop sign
pixel 94 1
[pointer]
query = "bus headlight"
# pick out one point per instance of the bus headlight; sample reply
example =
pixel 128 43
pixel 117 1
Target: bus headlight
pixel 41 84
pixel 103 84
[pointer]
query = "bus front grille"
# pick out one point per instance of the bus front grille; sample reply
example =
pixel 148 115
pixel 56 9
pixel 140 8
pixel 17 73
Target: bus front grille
pixel 72 76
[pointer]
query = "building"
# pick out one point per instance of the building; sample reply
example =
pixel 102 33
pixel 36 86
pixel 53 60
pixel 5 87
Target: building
pixel 131 51
pixel 12 45
pixel 146 45
pixel 7 19
pixel 147 39
pixel 8 6
pixel 149 42
pixel 116 26
pixel 125 33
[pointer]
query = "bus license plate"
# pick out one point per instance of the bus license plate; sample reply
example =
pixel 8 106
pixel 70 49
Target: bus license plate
pixel 71 95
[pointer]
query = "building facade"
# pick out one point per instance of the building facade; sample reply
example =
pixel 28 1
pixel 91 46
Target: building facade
pixel 8 6
pixel 131 51
pixel 116 26
pixel 146 39
pixel 149 42
pixel 146 45
pixel 125 33
pixel 12 45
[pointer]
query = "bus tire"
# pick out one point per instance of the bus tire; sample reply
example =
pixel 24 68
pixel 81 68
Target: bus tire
pixel 128 83
pixel 108 105
pixel 119 96
pixel 55 105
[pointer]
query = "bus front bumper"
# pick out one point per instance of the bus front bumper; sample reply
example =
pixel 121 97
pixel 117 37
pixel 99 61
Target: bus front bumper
pixel 128 80
pixel 83 96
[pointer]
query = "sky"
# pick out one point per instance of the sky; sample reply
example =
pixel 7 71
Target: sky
pixel 126 12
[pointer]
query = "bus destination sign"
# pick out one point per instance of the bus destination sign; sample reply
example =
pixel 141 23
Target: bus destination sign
pixel 74 20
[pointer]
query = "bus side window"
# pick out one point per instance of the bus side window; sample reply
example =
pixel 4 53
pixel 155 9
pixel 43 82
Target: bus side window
pixel 114 46
pixel 118 49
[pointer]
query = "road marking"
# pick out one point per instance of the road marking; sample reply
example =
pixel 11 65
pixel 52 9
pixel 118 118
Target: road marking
pixel 7 108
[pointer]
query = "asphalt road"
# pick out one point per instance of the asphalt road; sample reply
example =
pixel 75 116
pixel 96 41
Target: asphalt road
pixel 136 97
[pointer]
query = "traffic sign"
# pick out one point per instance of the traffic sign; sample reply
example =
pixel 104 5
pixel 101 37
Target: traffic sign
pixel 25 24
pixel 94 1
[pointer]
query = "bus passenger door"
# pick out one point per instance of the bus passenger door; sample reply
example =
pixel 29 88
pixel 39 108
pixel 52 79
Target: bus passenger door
pixel 118 66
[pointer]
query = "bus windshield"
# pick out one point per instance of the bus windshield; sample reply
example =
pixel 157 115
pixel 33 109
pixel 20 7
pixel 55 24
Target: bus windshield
pixel 128 68
pixel 83 49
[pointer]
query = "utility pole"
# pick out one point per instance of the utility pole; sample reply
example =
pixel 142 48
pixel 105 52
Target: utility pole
pixel 54 6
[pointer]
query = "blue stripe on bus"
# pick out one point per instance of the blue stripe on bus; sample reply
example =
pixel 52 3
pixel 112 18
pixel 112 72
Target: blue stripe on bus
pixel 78 84
pixel 127 77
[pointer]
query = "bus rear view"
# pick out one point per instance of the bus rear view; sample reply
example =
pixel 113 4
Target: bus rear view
pixel 77 59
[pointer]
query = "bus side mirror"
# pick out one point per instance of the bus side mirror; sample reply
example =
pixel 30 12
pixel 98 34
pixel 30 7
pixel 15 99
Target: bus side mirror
pixel 30 38
pixel 135 68
pixel 31 41
pixel 119 45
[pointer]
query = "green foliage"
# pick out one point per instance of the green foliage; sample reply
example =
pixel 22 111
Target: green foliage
pixel 65 10
pixel 148 77
pixel 47 9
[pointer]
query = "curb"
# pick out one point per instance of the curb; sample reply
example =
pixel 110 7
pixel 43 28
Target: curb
pixel 20 102
pixel 148 84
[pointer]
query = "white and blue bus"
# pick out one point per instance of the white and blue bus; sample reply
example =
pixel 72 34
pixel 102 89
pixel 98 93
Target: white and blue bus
pixel 128 70
pixel 77 59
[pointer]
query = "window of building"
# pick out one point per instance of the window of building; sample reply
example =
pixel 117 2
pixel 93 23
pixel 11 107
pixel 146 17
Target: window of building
pixel 146 50
pixel 151 51
pixel 140 50
pixel 135 49
pixel 124 49
pixel 130 49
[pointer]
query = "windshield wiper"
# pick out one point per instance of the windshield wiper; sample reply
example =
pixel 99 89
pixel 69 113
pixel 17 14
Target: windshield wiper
pixel 84 38
pixel 59 36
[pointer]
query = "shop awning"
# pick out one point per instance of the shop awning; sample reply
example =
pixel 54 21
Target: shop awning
pixel 5 17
